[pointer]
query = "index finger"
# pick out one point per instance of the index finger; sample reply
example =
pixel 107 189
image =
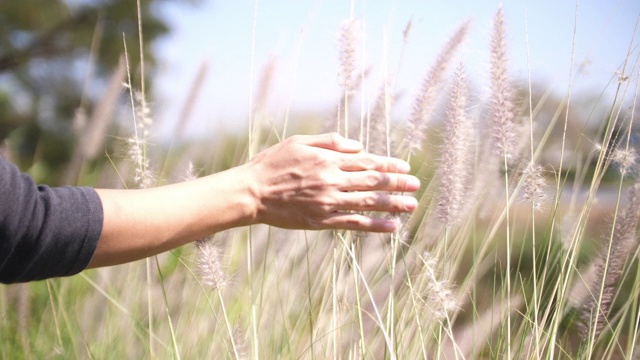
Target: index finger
pixel 329 141
pixel 364 161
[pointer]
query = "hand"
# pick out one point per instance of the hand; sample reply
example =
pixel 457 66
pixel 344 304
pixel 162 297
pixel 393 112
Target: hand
pixel 314 182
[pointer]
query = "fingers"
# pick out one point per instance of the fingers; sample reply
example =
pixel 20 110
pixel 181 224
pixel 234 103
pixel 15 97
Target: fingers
pixel 372 201
pixel 364 161
pixel 360 222
pixel 354 159
pixel 374 180
pixel 330 141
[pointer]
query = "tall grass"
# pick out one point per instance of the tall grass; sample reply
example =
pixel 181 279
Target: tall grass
pixel 493 264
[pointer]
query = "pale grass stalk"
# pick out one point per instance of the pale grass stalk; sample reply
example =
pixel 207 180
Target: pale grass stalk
pixel 412 294
pixel 602 162
pixel 213 276
pixel 174 342
pixel 378 319
pixel 309 294
pixel 210 303
pixel 391 302
pixel 508 271
pixel 252 146
pixel 54 314
pixel 636 284
pixel 232 338
pixel 23 314
pixel 633 347
pixel 503 134
pixel 474 337
pixel 536 305
pixel 334 298
pixel 296 65
pixel 143 177
pixel 118 305
pixel 356 289
pixel 562 150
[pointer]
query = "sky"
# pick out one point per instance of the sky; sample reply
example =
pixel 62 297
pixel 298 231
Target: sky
pixel 237 39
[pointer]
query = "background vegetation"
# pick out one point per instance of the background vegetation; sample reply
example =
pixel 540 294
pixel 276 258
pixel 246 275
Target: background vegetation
pixel 524 244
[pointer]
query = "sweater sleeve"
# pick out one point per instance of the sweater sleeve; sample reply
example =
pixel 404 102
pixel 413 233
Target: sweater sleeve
pixel 45 232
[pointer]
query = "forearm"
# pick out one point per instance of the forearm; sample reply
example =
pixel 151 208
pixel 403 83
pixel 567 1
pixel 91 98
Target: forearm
pixel 141 223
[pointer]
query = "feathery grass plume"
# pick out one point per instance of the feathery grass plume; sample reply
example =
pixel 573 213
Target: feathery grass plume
pixel 454 162
pixel 210 268
pixel 534 185
pixel 378 140
pixel 209 261
pixel 241 345
pixel 335 123
pixel 624 242
pixel 502 121
pixel 143 176
pixel 624 158
pixel 439 297
pixel 348 43
pixel 348 77
pixel 425 102
pixel 143 112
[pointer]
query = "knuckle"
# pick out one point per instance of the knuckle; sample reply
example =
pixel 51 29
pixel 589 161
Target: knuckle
pixel 401 183
pixel 295 139
pixel 369 201
pixel 326 204
pixel 355 223
pixel 367 162
pixel 329 180
pixel 372 180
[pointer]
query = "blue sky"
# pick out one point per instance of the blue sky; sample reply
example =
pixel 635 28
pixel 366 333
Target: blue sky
pixel 301 37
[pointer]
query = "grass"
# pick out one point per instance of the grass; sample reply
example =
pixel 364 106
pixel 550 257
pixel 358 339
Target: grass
pixel 508 255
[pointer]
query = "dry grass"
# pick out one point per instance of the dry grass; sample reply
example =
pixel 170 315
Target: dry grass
pixel 475 272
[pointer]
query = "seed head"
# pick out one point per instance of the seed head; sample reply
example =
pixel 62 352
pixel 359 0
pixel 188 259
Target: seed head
pixel 210 267
pixel 425 101
pixel 625 158
pixel 534 185
pixel 454 163
pixel 503 126
pixel 439 295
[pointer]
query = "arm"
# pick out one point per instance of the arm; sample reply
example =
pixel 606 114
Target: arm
pixel 305 182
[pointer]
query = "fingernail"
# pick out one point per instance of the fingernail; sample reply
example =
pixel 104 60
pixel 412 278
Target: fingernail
pixel 404 167
pixel 413 184
pixel 410 203
pixel 353 144
pixel 389 226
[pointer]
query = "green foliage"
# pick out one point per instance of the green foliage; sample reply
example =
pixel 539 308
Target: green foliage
pixel 54 57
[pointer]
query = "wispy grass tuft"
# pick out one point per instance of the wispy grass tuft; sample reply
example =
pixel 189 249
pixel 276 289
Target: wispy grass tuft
pixel 425 102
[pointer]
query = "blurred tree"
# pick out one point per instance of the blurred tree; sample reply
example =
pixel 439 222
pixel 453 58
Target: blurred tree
pixel 54 54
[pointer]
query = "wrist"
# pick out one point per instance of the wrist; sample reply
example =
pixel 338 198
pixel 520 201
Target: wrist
pixel 248 195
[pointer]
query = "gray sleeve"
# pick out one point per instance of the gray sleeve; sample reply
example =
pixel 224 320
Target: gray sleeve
pixel 45 232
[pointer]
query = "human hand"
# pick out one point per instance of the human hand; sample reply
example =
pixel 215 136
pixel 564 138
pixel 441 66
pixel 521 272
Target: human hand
pixel 314 182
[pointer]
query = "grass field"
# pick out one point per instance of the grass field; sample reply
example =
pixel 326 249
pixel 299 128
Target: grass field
pixel 524 244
